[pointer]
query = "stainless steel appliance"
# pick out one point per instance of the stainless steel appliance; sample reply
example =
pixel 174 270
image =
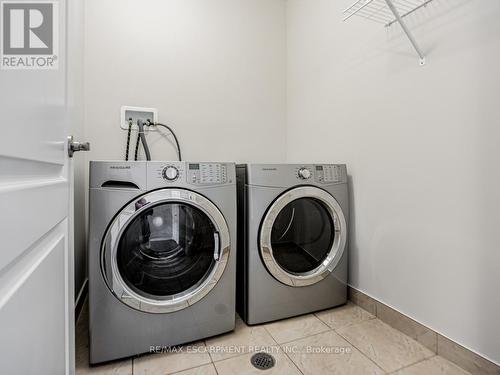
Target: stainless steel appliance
pixel 161 255
pixel 292 239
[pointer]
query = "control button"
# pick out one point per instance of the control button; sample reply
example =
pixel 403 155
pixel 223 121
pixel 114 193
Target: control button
pixel 170 173
pixel 305 174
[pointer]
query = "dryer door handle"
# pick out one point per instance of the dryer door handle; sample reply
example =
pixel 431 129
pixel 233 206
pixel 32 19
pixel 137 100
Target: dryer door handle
pixel 217 251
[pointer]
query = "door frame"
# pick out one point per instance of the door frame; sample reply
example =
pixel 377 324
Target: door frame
pixel 335 252
pixel 120 224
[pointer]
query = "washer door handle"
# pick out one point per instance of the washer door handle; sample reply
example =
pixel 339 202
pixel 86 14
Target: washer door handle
pixel 217 251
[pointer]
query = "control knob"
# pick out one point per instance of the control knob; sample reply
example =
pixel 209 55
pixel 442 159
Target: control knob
pixel 170 173
pixel 305 174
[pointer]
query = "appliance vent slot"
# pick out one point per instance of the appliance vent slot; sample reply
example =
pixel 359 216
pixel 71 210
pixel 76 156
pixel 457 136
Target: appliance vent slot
pixel 113 184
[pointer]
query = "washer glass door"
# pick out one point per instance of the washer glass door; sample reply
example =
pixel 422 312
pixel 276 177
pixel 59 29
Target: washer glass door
pixel 165 251
pixel 303 236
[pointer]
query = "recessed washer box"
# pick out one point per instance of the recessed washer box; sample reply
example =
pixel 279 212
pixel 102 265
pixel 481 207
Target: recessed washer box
pixel 137 113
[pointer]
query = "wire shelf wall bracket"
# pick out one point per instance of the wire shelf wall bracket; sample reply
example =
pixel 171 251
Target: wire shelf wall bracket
pixel 389 12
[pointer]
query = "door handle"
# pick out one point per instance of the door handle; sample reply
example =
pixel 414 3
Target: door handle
pixel 74 146
pixel 217 245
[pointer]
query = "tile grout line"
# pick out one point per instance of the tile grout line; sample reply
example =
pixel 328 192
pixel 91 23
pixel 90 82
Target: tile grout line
pixel 353 324
pixel 413 322
pixel 215 368
pixel 484 361
pixel 354 346
pixel 276 344
pixel 300 338
pixel 175 372
pixel 224 359
pixel 359 350
pixel 209 354
pixel 285 353
pixel 242 354
pixel 235 356
pixel 188 368
pixel 328 329
pixel 293 362
pixel 280 345
pixel 211 359
pixel 398 331
pixel 413 364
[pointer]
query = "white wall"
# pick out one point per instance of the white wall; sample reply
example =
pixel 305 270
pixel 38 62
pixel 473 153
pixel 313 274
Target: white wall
pixel 422 147
pixel 421 143
pixel 215 69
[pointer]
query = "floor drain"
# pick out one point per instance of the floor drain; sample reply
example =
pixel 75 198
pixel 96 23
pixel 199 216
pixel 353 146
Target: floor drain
pixel 262 361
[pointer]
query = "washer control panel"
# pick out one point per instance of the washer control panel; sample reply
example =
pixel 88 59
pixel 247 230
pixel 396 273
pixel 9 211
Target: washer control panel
pixel 162 174
pixel 207 173
pixel 304 173
pixel 329 173
pixel 186 174
pixel 170 173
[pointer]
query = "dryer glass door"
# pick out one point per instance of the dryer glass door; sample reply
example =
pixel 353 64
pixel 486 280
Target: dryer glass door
pixel 303 236
pixel 169 250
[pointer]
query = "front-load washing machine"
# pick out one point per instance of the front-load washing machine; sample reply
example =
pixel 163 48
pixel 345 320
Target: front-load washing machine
pixel 162 257
pixel 292 239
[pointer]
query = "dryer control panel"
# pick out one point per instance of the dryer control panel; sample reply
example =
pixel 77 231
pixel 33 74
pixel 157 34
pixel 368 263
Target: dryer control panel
pixel 329 173
pixel 289 175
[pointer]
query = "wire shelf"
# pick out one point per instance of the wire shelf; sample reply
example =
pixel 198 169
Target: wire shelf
pixel 378 10
pixel 388 12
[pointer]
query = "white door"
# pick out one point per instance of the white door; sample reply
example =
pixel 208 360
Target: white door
pixel 38 110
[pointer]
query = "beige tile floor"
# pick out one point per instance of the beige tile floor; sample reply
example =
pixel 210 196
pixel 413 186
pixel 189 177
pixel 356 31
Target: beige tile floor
pixel 345 340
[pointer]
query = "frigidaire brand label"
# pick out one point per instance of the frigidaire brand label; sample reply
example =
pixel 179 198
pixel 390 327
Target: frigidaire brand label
pixel 120 167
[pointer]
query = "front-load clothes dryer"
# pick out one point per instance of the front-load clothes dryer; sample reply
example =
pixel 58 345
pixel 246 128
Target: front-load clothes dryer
pixel 162 255
pixel 292 239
